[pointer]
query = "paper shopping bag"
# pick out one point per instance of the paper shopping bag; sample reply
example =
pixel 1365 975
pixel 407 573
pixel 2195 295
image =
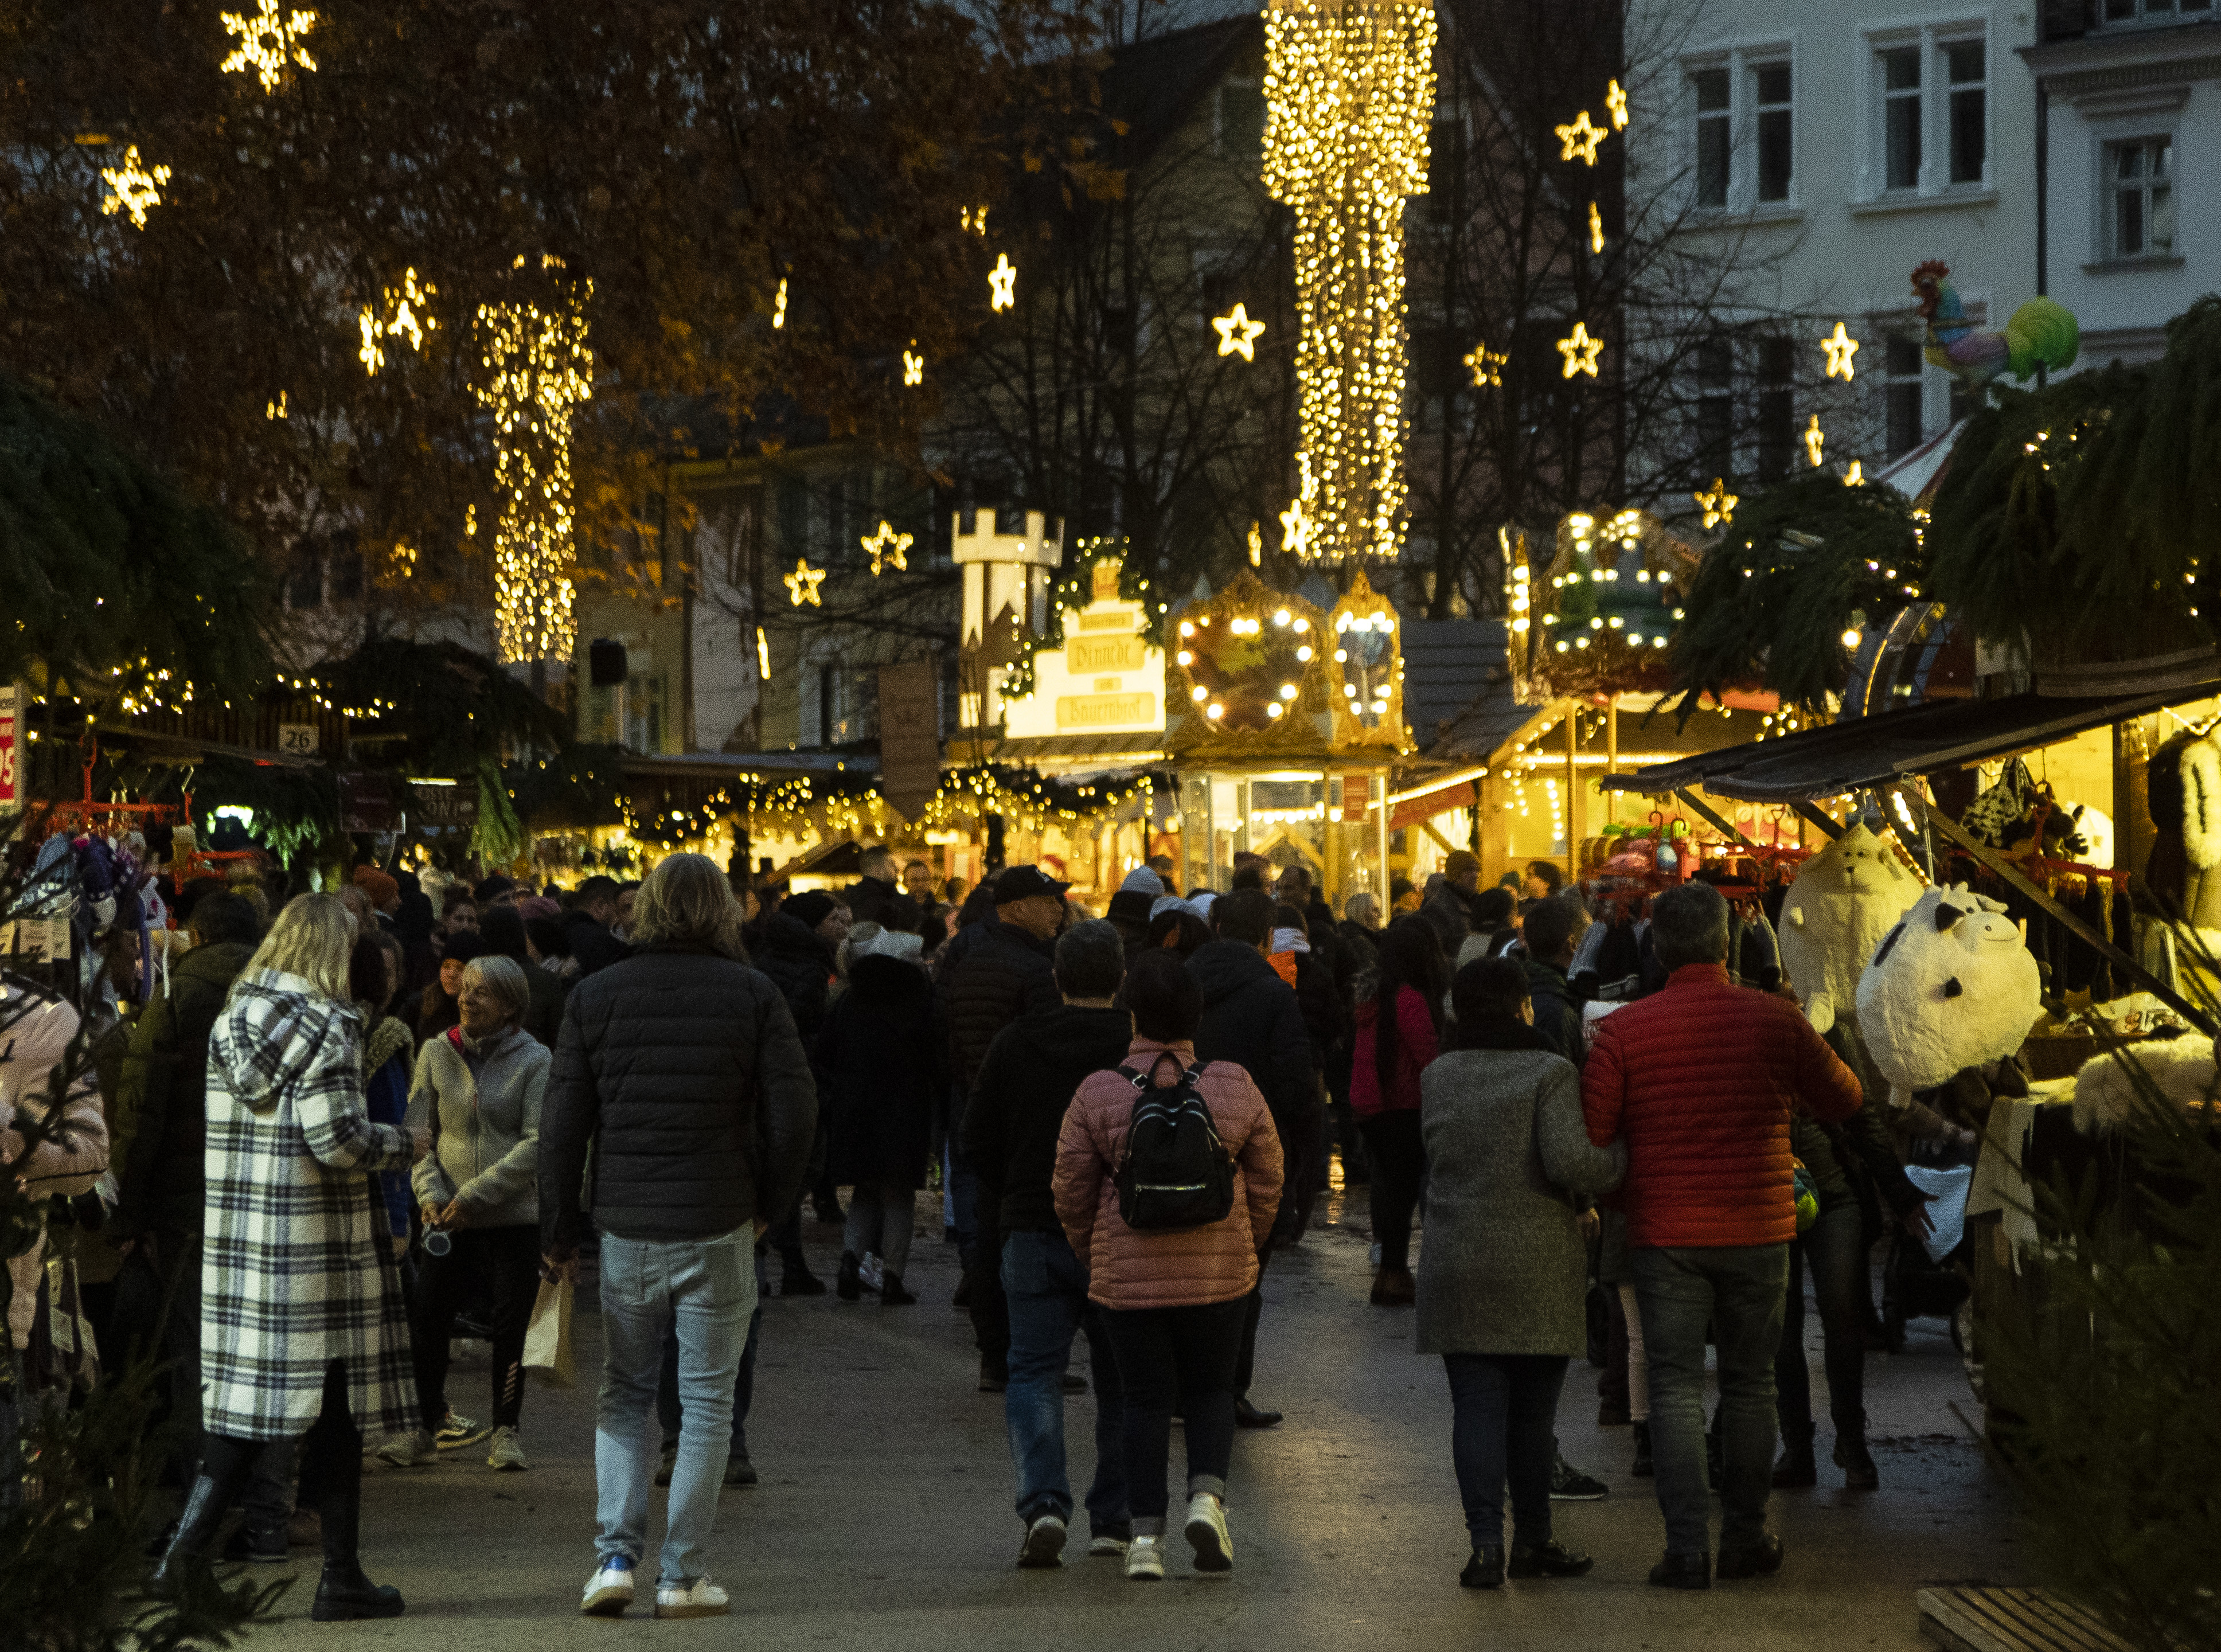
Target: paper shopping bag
pixel 547 1338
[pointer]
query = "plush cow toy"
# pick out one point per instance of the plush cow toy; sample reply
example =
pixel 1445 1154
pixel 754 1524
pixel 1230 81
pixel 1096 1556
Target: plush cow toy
pixel 1951 986
pixel 1842 903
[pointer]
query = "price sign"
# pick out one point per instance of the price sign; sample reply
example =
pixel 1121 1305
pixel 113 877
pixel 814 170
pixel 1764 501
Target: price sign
pixel 11 738
pixel 298 739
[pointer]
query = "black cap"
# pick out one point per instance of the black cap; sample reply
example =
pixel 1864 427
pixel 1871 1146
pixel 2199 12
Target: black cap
pixel 1016 883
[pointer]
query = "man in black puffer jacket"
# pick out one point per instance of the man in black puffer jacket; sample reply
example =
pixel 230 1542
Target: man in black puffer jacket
pixel 680 1068
pixel 794 949
pixel 1004 972
pixel 1250 1018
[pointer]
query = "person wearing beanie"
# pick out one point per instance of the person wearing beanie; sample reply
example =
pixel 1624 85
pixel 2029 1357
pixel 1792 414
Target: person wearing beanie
pixel 441 1007
pixel 1133 905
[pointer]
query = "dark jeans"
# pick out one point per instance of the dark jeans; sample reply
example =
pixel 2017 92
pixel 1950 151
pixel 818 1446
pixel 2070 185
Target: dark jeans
pixel 1507 1411
pixel 1399 1163
pixel 1836 1246
pixel 1738 1291
pixel 1046 1288
pixel 331 1467
pixel 744 1388
pixel 1253 1310
pixel 506 1261
pixel 1167 1356
pixel 164 1290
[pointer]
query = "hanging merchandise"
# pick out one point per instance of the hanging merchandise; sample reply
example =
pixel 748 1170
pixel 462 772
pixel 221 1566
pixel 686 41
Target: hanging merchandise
pixel 1990 816
pixel 1843 902
pixel 1951 986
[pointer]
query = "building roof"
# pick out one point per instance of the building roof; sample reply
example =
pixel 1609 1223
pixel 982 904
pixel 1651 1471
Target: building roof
pixel 1152 83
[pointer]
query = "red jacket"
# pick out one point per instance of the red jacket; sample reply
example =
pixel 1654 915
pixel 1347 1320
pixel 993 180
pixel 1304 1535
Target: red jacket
pixel 1700 1079
pixel 1417 1044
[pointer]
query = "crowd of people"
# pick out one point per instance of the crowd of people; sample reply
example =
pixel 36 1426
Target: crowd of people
pixel 348 1131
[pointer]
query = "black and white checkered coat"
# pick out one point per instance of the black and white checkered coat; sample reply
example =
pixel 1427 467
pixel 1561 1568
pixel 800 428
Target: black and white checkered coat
pixel 295 1270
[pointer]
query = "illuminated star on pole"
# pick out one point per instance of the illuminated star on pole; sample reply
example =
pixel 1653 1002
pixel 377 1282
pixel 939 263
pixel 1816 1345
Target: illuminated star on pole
pixel 1841 347
pixel 887 546
pixel 1486 365
pixel 1002 283
pixel 1580 140
pixel 1615 99
pixel 1238 332
pixel 802 585
pixel 1580 351
pixel 136 187
pixel 913 365
pixel 1815 438
pixel 265 39
pixel 1718 505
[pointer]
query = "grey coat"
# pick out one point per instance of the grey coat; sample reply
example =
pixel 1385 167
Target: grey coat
pixel 1504 1269
pixel 486 1127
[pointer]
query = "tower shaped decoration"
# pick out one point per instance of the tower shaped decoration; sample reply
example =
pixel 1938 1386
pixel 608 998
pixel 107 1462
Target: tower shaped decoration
pixel 1005 606
pixel 1349 88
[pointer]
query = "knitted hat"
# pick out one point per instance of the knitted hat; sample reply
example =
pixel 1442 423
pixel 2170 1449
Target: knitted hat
pixel 1134 905
pixel 812 909
pixel 1145 881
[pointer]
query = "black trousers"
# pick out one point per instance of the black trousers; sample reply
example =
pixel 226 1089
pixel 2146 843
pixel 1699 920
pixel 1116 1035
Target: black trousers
pixel 1399 1162
pixel 506 1261
pixel 331 1467
pixel 1165 1355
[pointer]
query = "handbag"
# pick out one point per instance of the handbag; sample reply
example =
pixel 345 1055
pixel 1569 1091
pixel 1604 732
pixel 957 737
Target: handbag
pixel 547 1337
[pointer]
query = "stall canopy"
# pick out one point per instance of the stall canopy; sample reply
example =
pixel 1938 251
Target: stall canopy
pixel 1886 749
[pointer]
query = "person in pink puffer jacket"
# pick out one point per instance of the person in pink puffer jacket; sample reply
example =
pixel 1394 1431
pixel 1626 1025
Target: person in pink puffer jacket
pixel 1173 1301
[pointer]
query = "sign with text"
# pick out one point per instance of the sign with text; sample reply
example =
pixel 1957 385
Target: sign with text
pixel 910 735
pixel 298 739
pixel 11 744
pixel 444 808
pixel 1107 678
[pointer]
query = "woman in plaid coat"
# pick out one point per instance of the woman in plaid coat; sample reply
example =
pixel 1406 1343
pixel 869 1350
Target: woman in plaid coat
pixel 303 1330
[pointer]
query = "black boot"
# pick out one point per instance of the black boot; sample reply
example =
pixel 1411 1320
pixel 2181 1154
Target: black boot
pixel 849 1287
pixel 1548 1559
pixel 1643 1468
pixel 206 1503
pixel 892 1294
pixel 1682 1571
pixel 1485 1570
pixel 1796 1468
pixel 343 1594
pixel 1857 1463
pixel 795 1279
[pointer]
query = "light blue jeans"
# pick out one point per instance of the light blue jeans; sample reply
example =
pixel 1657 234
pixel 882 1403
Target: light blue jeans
pixel 709 1288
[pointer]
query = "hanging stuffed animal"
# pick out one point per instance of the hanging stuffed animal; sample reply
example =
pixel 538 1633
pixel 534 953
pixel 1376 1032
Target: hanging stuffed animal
pixel 1951 986
pixel 2184 870
pixel 1842 903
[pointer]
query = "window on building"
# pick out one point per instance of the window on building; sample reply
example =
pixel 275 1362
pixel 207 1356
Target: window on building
pixel 1715 137
pixel 1902 367
pixel 2140 174
pixel 1715 419
pixel 1769 87
pixel 305 578
pixel 1777 406
pixel 1241 123
pixel 1964 69
pixel 1900 117
pixel 2155 11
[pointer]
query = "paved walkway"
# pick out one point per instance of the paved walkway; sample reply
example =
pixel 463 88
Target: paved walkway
pixel 884 1520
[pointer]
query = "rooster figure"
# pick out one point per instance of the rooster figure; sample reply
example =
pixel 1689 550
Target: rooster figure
pixel 2042 333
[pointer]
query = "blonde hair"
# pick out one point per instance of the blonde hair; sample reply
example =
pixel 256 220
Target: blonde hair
pixel 313 937
pixel 687 902
pixel 504 979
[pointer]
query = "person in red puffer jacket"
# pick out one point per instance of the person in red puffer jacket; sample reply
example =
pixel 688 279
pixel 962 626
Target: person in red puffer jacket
pixel 1386 1058
pixel 1699 1080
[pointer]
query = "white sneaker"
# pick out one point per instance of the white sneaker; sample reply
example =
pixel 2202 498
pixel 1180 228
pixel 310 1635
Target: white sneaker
pixel 1044 1544
pixel 1206 1531
pixel 1104 1546
pixel 410 1449
pixel 700 1599
pixel 1145 1561
pixel 505 1451
pixel 609 1591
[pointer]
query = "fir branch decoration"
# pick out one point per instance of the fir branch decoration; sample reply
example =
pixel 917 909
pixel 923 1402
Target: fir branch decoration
pixel 1076 590
pixel 1802 562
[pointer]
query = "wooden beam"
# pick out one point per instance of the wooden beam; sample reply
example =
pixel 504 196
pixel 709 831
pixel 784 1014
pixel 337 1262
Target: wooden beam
pixel 1829 829
pixel 2013 875
pixel 1427 827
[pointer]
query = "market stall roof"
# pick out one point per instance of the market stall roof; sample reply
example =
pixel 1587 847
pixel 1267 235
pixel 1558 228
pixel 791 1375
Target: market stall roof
pixel 1104 751
pixel 1839 757
pixel 1453 668
pixel 724 766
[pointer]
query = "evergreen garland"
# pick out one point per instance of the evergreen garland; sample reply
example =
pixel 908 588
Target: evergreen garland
pixel 1802 563
pixel 1076 589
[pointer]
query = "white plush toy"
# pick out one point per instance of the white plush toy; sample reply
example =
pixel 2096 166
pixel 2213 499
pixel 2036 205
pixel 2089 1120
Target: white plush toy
pixel 1951 986
pixel 1842 903
pixel 2181 1070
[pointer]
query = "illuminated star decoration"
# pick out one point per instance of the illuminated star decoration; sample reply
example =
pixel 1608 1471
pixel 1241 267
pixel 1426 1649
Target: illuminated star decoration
pixel 265 39
pixel 1841 347
pixel 1580 140
pixel 1580 351
pixel 763 652
pixel 1486 365
pixel 411 319
pixel 276 410
pixel 1718 505
pixel 1596 228
pixel 1615 99
pixel 1256 547
pixel 887 546
pixel 1002 283
pixel 913 365
pixel 136 187
pixel 1238 332
pixel 802 585
pixel 1814 437
pixel 1854 477
pixel 1295 529
pixel 974 219
pixel 778 305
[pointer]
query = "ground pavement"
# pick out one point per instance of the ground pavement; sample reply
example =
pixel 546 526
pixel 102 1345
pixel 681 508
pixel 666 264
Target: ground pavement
pixel 884 1518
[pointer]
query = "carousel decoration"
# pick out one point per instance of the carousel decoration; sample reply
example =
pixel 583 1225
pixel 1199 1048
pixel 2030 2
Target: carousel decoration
pixel 1599 616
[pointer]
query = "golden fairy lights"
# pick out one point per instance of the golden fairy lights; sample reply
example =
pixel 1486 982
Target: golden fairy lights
pixel 802 585
pixel 1237 333
pixel 887 546
pixel 1580 351
pixel 1486 365
pixel 134 187
pixel 778 306
pixel 1841 347
pixel 1579 140
pixel 1815 440
pixel 1596 228
pixel 267 40
pixel 913 365
pixel 1614 100
pixel 538 369
pixel 1349 90
pixel 1718 505
pixel 406 318
pixel 972 219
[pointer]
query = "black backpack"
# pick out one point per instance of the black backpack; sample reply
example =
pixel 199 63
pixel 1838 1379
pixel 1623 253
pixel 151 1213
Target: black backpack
pixel 1175 1173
